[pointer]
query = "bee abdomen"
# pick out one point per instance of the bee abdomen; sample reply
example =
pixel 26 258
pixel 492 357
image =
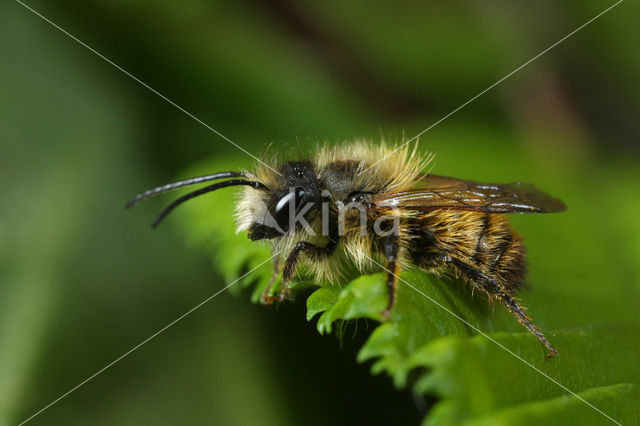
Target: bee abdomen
pixel 499 252
pixel 482 248
pixel 510 263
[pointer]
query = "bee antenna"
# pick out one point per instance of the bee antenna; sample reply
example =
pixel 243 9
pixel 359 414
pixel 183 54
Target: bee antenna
pixel 171 186
pixel 206 189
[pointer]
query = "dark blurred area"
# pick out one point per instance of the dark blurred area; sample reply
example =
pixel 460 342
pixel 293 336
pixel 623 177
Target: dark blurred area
pixel 83 281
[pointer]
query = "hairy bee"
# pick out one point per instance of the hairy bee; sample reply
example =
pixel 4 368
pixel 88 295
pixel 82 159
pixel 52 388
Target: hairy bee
pixel 361 202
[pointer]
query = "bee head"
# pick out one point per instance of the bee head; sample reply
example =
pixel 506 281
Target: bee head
pixel 295 198
pixel 266 211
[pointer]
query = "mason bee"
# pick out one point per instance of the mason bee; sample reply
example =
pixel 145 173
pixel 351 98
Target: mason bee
pixel 359 202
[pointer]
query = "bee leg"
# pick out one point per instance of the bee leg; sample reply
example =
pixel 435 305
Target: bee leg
pixel 312 251
pixel 498 292
pixel 277 268
pixel 391 249
pixel 516 310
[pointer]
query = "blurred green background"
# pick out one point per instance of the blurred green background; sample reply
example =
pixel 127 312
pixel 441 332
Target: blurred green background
pixel 82 281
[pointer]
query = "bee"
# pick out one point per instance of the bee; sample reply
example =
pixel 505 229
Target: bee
pixel 360 202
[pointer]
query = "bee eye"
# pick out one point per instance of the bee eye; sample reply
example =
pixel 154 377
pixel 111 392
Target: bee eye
pixel 281 210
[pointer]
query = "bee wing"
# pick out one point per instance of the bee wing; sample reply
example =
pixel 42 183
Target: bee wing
pixel 441 192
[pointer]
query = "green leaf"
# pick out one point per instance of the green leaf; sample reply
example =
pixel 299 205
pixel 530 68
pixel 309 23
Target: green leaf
pixel 476 376
pixel 415 320
pixel 621 402
pixel 430 342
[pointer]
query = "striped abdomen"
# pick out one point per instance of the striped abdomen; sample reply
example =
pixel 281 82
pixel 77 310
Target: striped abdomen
pixel 481 241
